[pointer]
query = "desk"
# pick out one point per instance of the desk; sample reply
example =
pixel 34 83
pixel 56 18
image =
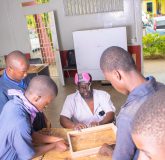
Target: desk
pixel 33 69
pixel 55 155
pixel 37 68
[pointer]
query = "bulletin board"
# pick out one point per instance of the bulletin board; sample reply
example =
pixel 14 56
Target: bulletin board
pixel 90 44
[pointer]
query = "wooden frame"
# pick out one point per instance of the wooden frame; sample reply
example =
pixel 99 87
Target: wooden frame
pixel 88 141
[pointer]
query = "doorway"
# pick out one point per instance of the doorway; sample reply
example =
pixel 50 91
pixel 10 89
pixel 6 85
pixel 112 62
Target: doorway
pixel 44 43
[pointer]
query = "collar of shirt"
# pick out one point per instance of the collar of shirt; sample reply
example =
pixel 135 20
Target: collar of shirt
pixel 21 84
pixel 78 97
pixel 27 105
pixel 149 86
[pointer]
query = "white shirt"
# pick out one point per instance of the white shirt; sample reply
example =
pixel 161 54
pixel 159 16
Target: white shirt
pixel 76 109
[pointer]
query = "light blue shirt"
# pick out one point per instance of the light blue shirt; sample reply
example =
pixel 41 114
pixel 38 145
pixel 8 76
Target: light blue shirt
pixel 15 132
pixel 5 84
pixel 125 149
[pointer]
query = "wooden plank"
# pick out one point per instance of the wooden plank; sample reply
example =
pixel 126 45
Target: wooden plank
pixel 88 141
pixel 54 155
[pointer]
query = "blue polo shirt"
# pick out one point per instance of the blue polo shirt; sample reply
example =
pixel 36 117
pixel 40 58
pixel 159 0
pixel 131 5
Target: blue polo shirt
pixel 125 149
pixel 15 132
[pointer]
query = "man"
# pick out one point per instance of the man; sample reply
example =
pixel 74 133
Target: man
pixel 119 69
pixel 87 106
pixel 17 117
pixel 15 77
pixel 148 128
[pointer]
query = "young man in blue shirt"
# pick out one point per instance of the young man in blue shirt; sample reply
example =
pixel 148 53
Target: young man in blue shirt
pixel 15 77
pixel 148 128
pixel 17 118
pixel 119 69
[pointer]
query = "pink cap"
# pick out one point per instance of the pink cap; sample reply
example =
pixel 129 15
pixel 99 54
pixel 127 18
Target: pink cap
pixel 82 77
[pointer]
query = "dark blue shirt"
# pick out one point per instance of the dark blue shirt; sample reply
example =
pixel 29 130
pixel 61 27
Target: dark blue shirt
pixel 125 149
pixel 15 132
pixel 5 84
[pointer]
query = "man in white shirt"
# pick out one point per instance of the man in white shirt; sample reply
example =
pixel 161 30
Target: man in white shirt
pixel 87 106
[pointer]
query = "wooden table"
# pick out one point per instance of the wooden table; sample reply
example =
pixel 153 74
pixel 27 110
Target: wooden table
pixel 55 155
pixel 34 68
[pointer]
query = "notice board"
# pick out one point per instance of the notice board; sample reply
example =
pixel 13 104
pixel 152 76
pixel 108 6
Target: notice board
pixel 90 44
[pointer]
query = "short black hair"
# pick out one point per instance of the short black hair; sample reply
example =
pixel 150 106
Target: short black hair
pixel 114 58
pixel 15 56
pixel 42 85
pixel 149 121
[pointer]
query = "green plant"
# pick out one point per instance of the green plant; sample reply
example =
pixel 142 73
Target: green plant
pixel 154 46
pixel 161 45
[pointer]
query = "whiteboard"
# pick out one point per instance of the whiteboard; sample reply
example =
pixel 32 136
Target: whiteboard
pixel 90 44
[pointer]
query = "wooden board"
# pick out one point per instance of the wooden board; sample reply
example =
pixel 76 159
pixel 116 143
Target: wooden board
pixel 88 141
pixel 54 155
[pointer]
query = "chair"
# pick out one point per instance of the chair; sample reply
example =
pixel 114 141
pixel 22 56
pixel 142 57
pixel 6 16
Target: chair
pixel 70 62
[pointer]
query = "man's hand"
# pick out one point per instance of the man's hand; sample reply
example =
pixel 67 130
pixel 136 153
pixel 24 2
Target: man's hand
pixel 106 150
pixel 61 146
pixel 42 149
pixel 93 124
pixel 79 126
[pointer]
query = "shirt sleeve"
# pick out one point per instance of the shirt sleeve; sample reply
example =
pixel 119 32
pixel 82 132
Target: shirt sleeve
pixel 3 101
pixel 106 102
pixel 125 148
pixel 68 108
pixel 22 141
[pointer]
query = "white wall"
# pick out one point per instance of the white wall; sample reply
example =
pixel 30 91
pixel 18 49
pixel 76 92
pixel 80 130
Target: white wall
pixel 13 32
pixel 68 24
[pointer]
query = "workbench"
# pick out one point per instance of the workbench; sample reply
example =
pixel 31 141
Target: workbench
pixel 56 155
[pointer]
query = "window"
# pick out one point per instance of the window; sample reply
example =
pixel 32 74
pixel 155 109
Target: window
pixel 149 7
pixel 82 7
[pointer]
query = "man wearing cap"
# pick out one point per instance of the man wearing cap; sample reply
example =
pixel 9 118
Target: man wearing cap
pixel 87 106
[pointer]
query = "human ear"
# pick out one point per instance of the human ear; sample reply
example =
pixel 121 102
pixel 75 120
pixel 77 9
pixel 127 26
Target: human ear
pixel 37 98
pixel 10 69
pixel 117 75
